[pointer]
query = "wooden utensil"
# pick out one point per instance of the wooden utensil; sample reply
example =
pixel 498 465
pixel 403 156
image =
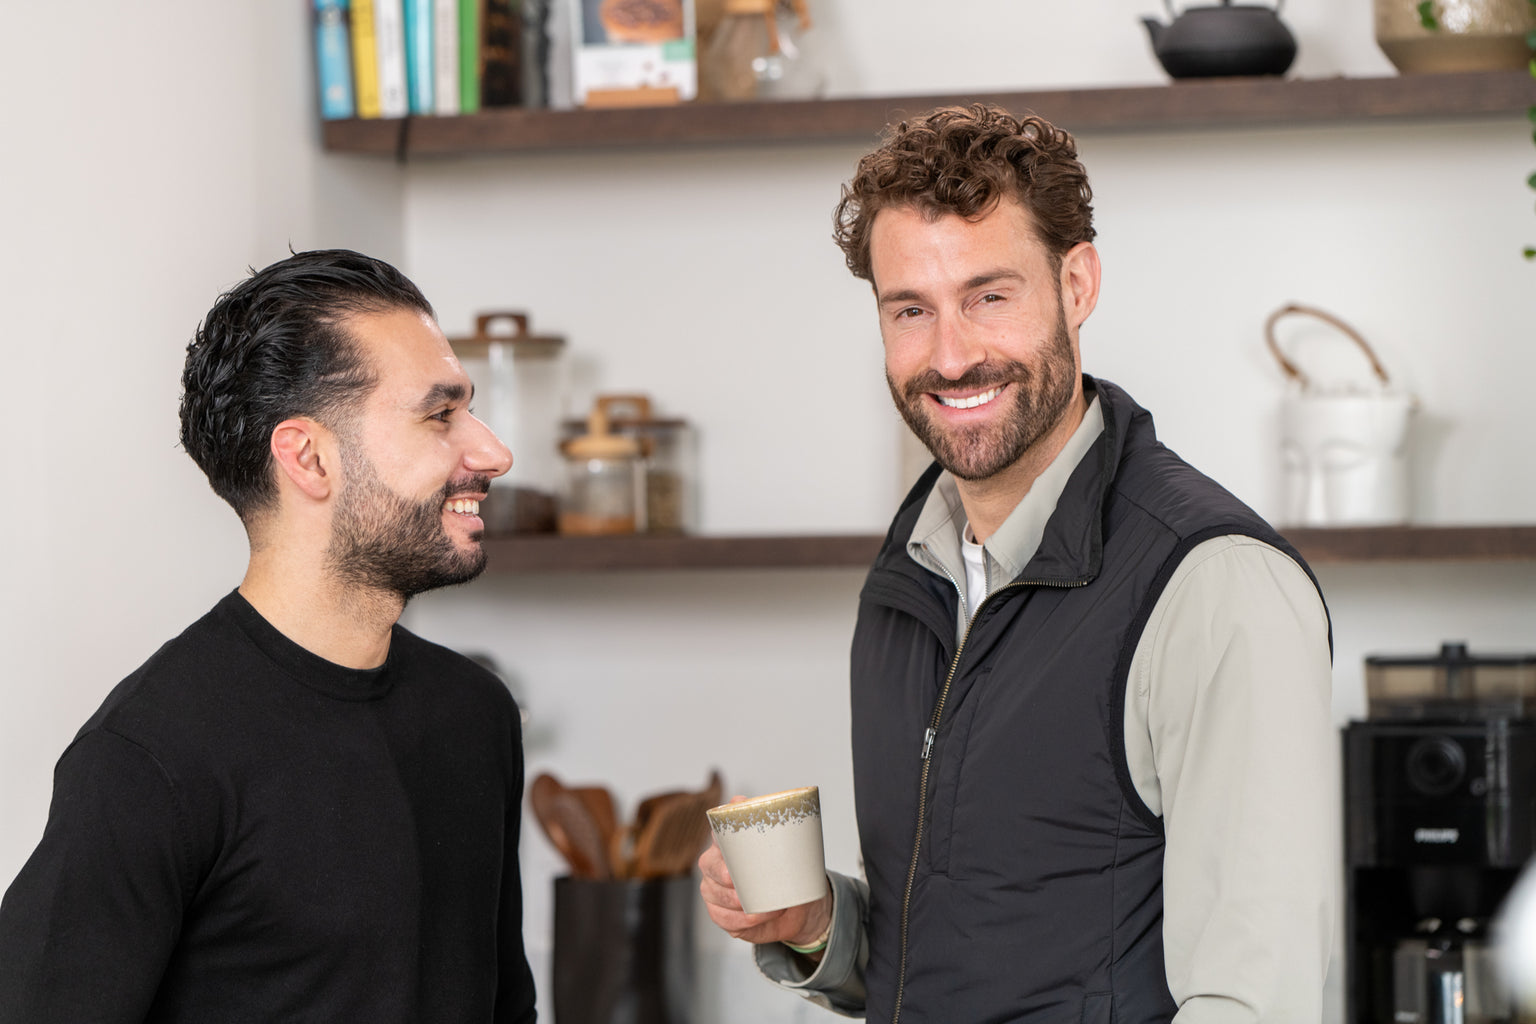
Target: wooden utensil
pixel 599 803
pixel 676 832
pixel 588 847
pixel 569 827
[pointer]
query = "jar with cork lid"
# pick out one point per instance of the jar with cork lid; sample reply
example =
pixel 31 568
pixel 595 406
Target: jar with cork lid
pixel 603 491
pixel 667 452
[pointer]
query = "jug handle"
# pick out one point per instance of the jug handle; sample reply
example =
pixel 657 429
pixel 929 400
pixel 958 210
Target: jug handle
pixel 1291 369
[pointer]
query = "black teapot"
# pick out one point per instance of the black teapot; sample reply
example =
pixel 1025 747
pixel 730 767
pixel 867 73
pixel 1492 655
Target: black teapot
pixel 1232 39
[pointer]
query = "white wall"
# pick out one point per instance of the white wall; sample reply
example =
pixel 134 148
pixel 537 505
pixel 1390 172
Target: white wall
pixel 172 151
pixel 162 164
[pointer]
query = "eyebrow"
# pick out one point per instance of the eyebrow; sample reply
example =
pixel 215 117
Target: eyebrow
pixel 440 393
pixel 979 281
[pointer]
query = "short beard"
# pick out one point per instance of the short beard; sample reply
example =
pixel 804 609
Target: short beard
pixel 381 541
pixel 1040 397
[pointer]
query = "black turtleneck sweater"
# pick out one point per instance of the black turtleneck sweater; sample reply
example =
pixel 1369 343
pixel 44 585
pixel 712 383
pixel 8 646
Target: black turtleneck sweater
pixel 247 832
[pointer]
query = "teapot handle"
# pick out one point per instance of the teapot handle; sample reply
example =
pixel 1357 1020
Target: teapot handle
pixel 1291 369
pixel 1279 4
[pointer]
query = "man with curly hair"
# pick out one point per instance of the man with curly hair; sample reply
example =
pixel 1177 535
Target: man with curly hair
pixel 1092 742
pixel 296 809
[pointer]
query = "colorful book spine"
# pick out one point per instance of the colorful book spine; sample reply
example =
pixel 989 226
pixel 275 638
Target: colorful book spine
pixel 333 60
pixel 389 35
pixel 445 57
pixel 419 24
pixel 365 60
pixel 469 55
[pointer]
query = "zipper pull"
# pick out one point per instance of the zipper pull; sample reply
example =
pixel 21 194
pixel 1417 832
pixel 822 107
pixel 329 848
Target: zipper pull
pixel 927 742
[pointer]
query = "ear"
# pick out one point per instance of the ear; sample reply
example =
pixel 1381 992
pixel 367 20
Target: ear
pixel 1080 282
pixel 301 448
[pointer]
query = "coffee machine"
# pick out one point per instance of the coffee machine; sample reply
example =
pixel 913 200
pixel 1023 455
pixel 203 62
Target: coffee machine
pixel 1440 817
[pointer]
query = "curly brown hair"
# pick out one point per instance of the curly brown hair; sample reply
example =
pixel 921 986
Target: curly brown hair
pixel 963 160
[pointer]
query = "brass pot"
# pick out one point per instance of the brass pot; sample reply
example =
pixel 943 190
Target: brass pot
pixel 1474 35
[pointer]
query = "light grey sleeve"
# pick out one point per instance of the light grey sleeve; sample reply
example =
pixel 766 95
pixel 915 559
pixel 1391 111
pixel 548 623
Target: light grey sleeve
pixel 1230 737
pixel 837 983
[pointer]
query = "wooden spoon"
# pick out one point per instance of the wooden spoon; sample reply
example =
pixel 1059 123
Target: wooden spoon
pixel 599 803
pixel 568 826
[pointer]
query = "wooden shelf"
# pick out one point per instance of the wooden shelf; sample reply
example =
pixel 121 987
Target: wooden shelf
pixel 548 553
pixel 1193 103
pixel 1416 544
pixel 528 554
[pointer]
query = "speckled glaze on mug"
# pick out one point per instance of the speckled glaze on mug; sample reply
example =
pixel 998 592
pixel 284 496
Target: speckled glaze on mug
pixel 772 846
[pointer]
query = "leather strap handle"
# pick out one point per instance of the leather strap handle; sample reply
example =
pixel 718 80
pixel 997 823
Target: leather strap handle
pixel 1291 369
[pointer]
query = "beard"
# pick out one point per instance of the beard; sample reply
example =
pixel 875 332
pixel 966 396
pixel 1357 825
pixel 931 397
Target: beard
pixel 1038 395
pixel 383 541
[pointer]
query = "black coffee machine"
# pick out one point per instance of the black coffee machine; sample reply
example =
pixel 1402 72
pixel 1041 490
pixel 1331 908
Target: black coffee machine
pixel 1440 817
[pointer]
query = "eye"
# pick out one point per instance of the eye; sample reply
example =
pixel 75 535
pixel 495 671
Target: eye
pixel 908 312
pixel 992 297
pixel 442 415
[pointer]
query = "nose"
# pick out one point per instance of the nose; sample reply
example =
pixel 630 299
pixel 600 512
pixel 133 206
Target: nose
pixel 487 454
pixel 956 347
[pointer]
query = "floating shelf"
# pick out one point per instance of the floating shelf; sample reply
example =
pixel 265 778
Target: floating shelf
pixel 529 554
pixel 1192 103
pixel 1416 544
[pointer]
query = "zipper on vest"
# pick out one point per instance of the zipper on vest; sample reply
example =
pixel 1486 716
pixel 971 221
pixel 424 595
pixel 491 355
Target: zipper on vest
pixel 928 736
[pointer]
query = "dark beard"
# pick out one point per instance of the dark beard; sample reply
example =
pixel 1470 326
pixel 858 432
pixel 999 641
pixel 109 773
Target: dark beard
pixel 1040 397
pixel 383 541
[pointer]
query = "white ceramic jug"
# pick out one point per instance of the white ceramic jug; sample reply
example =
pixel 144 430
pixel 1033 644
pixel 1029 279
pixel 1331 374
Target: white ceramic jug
pixel 1343 446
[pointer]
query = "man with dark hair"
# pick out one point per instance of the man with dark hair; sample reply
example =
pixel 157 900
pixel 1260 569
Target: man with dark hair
pixel 1092 743
pixel 296 809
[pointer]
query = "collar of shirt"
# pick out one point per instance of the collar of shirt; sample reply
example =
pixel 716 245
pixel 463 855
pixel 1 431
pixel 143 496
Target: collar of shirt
pixel 942 527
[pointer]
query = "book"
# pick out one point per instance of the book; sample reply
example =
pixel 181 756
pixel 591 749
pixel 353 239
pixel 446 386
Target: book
pixel 389 38
pixel 420 21
pixel 333 60
pixel 632 52
pixel 469 55
pixel 501 51
pixel 365 60
pixel 445 56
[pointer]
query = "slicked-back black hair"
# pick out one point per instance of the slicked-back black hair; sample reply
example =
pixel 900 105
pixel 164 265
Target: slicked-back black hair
pixel 274 347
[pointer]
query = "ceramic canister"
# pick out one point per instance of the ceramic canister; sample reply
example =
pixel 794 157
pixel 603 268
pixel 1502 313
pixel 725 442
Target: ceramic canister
pixel 1472 35
pixel 1343 446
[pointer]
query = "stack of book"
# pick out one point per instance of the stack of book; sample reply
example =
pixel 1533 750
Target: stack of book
pixel 398 58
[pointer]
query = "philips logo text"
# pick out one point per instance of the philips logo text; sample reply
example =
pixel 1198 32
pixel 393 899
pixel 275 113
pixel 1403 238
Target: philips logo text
pixel 1437 835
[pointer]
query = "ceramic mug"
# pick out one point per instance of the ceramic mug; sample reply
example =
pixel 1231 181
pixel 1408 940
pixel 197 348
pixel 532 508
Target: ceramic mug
pixel 773 849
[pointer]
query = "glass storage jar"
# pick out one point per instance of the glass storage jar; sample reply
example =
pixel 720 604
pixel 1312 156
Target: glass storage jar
pixel 603 482
pixel 520 393
pixel 667 450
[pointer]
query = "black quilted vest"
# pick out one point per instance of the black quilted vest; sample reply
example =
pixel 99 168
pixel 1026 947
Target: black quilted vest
pixel 1036 886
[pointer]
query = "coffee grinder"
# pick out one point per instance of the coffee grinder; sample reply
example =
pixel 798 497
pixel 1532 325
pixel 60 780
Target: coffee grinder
pixel 1440 817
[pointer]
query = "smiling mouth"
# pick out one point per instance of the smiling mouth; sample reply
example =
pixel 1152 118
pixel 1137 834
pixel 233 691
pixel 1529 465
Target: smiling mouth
pixel 972 402
pixel 463 506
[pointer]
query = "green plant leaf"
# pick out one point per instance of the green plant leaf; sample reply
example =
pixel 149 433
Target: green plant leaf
pixel 1530 253
pixel 1427 15
pixel 1531 181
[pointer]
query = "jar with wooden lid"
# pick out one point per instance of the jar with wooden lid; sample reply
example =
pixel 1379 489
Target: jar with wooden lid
pixel 667 450
pixel 603 481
